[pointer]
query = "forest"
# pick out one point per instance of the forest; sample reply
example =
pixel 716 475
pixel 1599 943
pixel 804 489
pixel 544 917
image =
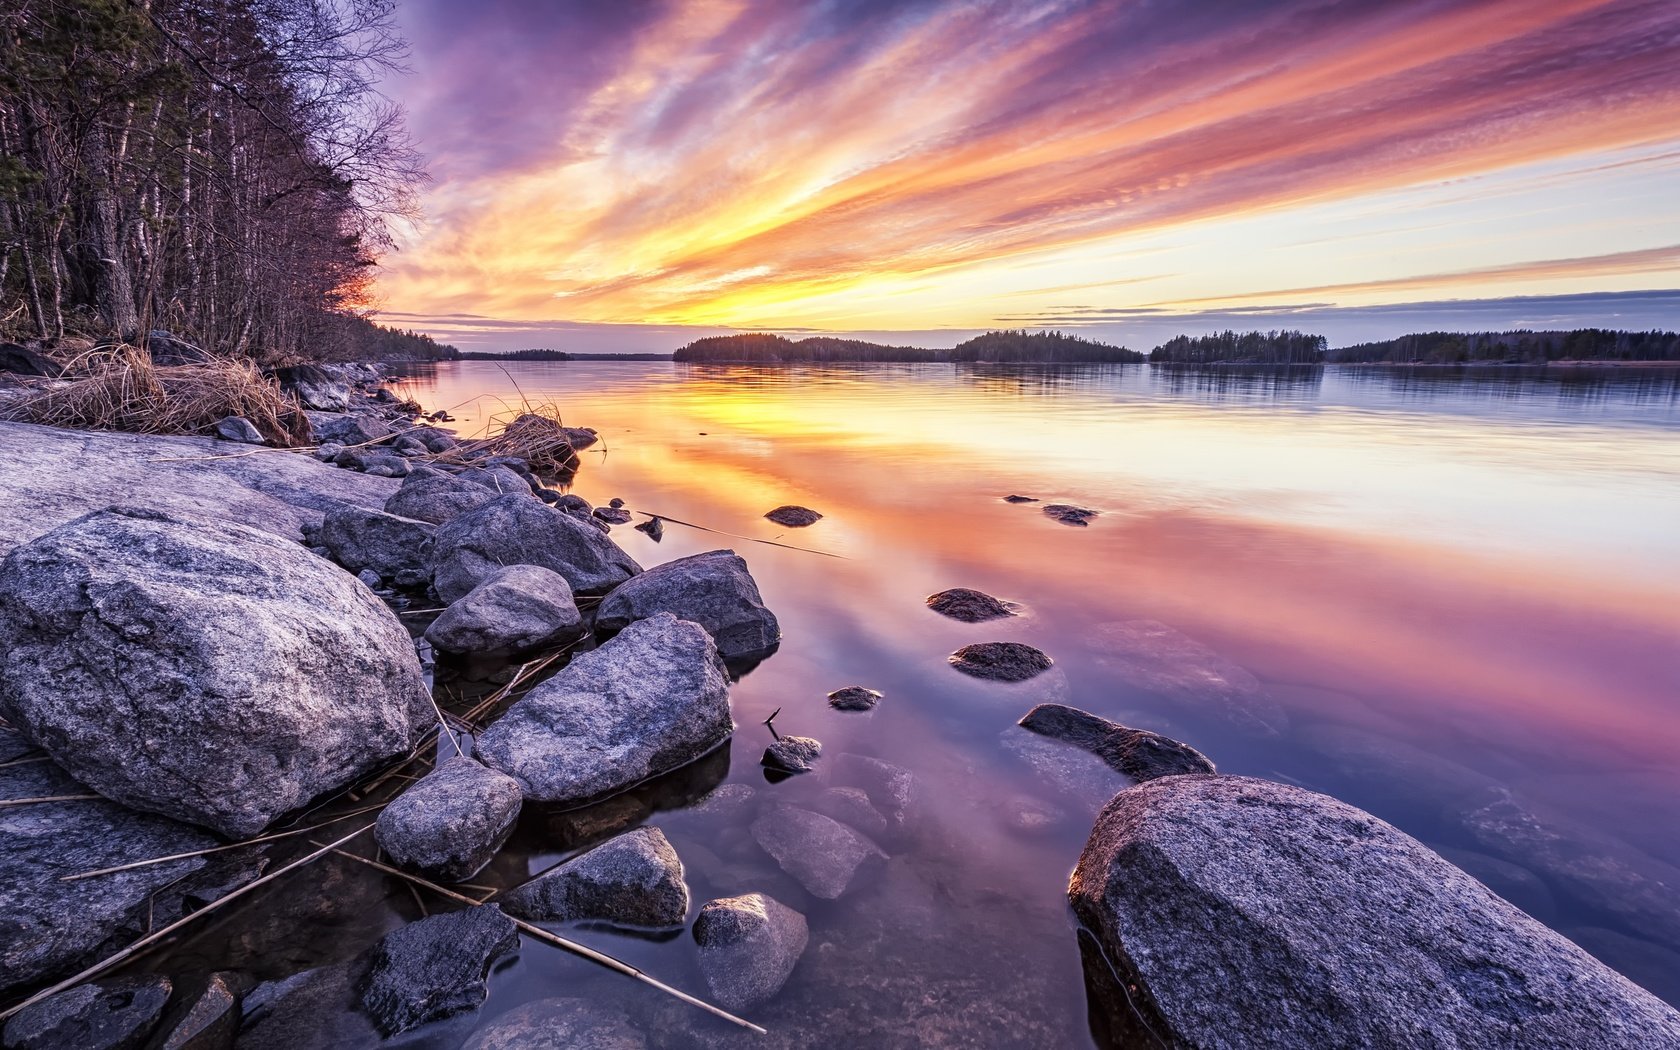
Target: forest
pixel 1248 348
pixel 225 170
pixel 1516 347
pixel 1003 346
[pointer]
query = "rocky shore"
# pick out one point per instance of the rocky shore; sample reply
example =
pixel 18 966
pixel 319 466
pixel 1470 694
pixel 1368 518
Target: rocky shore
pixel 211 651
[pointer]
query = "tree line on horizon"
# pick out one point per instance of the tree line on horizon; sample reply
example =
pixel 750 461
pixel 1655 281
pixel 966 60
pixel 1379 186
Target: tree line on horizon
pixel 1521 346
pixel 222 169
pixel 1011 345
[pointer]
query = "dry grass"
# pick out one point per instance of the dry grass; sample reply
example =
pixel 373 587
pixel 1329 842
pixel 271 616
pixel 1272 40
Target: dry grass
pixel 119 388
pixel 535 434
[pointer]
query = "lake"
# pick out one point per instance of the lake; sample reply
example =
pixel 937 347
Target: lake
pixel 1412 589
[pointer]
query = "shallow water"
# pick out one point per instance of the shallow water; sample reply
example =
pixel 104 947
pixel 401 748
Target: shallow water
pixel 1444 584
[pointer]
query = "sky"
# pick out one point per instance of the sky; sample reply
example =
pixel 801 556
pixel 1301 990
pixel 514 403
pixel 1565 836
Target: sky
pixel 627 176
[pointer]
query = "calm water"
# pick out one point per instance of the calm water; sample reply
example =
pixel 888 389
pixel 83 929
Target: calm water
pixel 1444 584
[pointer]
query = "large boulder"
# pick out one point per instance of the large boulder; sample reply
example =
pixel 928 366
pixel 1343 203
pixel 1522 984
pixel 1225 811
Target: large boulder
pixel 451 822
pixel 654 698
pixel 199 669
pixel 714 589
pixel 515 529
pixel 358 538
pixel 436 497
pixel 748 947
pixel 436 967
pixel 516 610
pixel 633 879
pixel 1239 912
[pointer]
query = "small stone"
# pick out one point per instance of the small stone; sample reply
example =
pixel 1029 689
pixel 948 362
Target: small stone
pixel 1068 514
pixel 238 428
pixel 450 823
pixel 1137 753
pixel 969 606
pixel 634 879
pixel 822 853
pixel 654 527
pixel 613 515
pixel 436 967
pixel 1000 661
pixel 110 1015
pixel 854 698
pixel 749 946
pixel 615 503
pixel 794 517
pixel 792 754
pixel 327 451
pixel 1012 498
pixel 370 578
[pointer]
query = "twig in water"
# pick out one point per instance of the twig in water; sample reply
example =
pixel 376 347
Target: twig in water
pixel 737 536
pixel 770 723
pixel 152 938
pixel 560 942
pixel 48 798
pixel 24 761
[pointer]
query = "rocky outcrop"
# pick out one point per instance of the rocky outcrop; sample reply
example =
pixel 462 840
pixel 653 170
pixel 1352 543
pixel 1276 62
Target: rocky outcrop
pixel 1000 661
pixel 386 544
pixel 793 516
pixel 1137 753
pixel 559 1024
pixel 1327 928
pixel 822 853
pixel 514 611
pixel 198 669
pixel 749 946
pixel 436 967
pixel 634 879
pixel 969 605
pixel 1151 656
pixel 450 823
pixel 515 529
pixel 714 590
pixel 117 1014
pixel 652 699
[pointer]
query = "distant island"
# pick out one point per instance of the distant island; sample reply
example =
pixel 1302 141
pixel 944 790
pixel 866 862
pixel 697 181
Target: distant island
pixel 552 355
pixel 1521 347
pixel 1006 346
pixel 1249 348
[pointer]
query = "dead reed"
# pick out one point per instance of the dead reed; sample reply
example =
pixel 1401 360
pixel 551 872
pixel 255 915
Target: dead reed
pixel 536 433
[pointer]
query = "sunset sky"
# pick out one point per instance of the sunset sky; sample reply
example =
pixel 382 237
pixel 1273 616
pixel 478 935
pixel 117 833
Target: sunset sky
pixel 626 176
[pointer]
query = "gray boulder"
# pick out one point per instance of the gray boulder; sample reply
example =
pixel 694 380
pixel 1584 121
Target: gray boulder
pixel 1137 753
pixel 200 670
pixel 1327 928
pixel 792 754
pixel 23 361
pixel 794 517
pixel 1149 655
pixel 1000 661
pixel 368 539
pixel 652 699
pixel 559 1024
pixel 112 1015
pixel 450 822
pixel 436 498
pixel 748 947
pixel 714 590
pixel 516 610
pixel 822 853
pixel 496 477
pixel 317 388
pixel 969 605
pixel 436 967
pixel 167 348
pixel 516 529
pixel 633 879
pixel 347 428
pixel 238 428
pixel 854 698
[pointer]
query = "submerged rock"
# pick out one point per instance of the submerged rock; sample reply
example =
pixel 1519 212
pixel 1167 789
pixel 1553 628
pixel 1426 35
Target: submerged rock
pixel 854 698
pixel 654 527
pixel 240 429
pixel 559 1024
pixel 450 822
pixel 1137 753
pixel 116 1014
pixel 652 699
pixel 850 806
pixel 1078 774
pixel 822 853
pixel 514 611
pixel 794 517
pixel 368 539
pixel 970 606
pixel 749 946
pixel 1068 514
pixel 634 879
pixel 792 754
pixel 1012 498
pixel 1149 655
pixel 893 789
pixel 436 967
pixel 200 670
pixel 613 515
pixel 1000 661
pixel 1327 928
pixel 713 589
pixel 515 529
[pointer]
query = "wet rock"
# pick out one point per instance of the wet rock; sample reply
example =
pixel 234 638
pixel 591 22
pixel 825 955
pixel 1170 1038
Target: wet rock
pixel 319 1007
pixel 613 515
pixel 238 428
pixel 749 946
pixel 730 800
pixel 1137 753
pixel 893 789
pixel 450 823
pixel 792 754
pixel 515 529
pixel 368 539
pixel 850 806
pixel 516 610
pixel 1069 515
pixel 436 967
pixel 822 853
pixel 559 1024
pixel 854 698
pixel 436 499
pixel 1602 873
pixel 1000 661
pixel 116 1014
pixel 713 589
pixel 635 879
pixel 794 517
pixel 1012 498
pixel 1252 946
pixel 1154 657
pixel 970 606
pixel 198 669
pixel 654 527
pixel 652 699
pixel 206 1016
pixel 370 579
